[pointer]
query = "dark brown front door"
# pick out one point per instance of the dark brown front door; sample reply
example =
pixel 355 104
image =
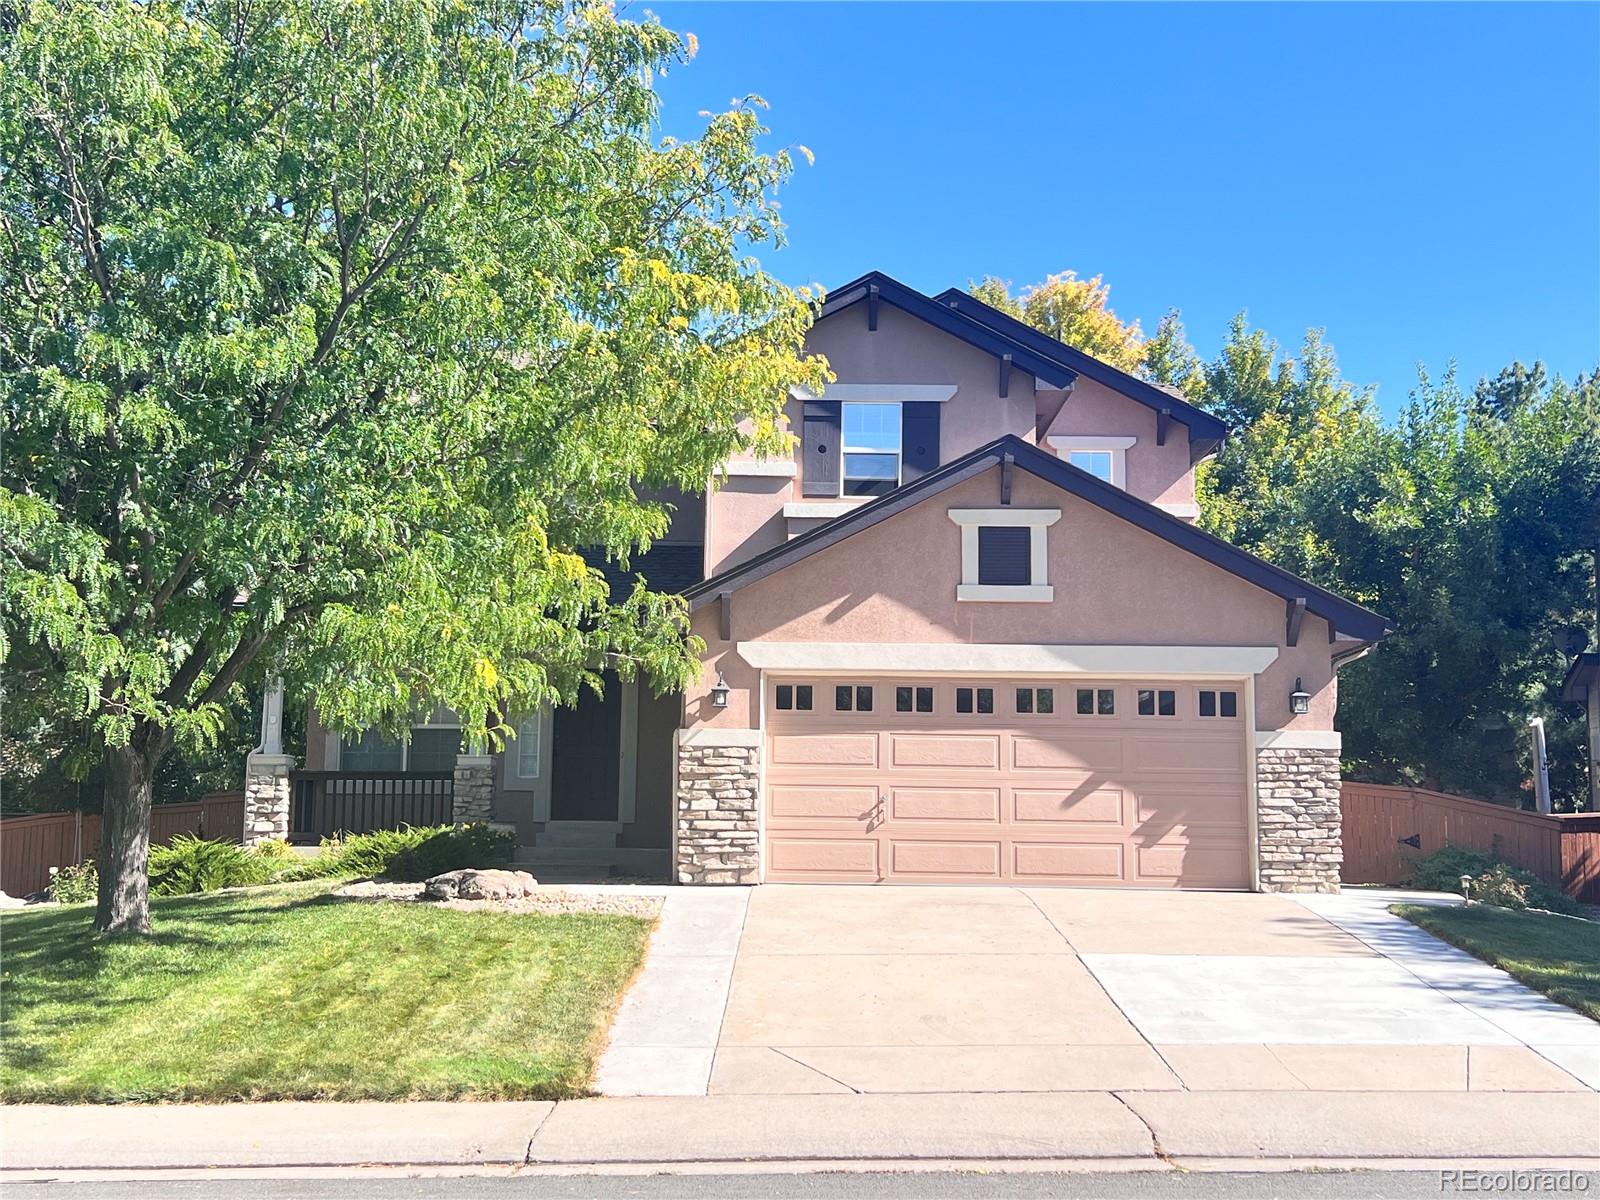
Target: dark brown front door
pixel 586 741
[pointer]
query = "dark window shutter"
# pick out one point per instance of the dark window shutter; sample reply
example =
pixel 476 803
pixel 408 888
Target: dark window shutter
pixel 819 457
pixel 1005 556
pixel 919 439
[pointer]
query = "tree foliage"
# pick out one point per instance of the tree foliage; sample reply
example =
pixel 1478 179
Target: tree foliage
pixel 330 331
pixel 1072 310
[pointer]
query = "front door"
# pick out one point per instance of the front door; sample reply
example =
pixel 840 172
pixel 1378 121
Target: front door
pixel 585 743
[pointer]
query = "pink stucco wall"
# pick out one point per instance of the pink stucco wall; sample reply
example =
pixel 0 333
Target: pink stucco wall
pixel 745 516
pixel 1114 585
pixel 1159 474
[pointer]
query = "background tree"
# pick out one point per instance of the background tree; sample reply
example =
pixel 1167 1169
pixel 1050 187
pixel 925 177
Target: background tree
pixel 1075 311
pixel 329 332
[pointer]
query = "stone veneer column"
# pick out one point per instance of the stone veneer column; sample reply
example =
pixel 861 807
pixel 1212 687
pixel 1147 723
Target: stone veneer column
pixel 718 836
pixel 1297 818
pixel 266 797
pixel 473 795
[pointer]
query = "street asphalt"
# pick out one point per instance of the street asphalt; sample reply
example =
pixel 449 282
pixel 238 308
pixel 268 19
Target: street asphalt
pixel 944 1185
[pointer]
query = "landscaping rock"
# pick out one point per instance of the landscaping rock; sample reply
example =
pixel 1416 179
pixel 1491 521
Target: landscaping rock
pixel 480 885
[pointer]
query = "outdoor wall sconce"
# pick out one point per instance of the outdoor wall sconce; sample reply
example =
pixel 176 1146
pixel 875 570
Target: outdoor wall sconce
pixel 719 693
pixel 1299 699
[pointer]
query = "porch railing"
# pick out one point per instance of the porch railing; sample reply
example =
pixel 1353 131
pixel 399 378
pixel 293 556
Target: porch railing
pixel 330 802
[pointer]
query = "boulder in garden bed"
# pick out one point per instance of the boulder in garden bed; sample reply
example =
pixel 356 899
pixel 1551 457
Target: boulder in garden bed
pixel 480 885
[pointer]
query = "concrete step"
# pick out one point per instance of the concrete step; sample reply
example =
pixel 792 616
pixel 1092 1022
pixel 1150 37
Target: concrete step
pixel 579 833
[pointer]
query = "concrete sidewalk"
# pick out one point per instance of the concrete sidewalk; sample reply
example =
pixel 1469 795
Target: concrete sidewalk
pixel 996 1126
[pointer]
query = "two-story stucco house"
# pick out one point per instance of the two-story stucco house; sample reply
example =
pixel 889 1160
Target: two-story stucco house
pixel 968 633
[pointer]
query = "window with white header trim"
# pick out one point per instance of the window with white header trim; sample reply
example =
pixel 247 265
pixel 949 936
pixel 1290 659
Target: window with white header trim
pixel 1103 457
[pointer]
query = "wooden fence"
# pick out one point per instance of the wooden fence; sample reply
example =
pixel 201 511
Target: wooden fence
pixel 1385 828
pixel 31 845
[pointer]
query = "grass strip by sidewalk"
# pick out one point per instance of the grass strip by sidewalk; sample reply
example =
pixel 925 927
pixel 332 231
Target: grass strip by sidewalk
pixel 1556 955
pixel 281 993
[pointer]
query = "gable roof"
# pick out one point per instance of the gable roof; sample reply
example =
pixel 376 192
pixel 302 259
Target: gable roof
pixel 1205 431
pixel 1344 615
pixel 876 287
pixel 665 567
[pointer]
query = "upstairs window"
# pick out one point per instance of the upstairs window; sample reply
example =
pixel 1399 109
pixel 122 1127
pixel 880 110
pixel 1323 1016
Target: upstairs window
pixel 871 448
pixel 1103 457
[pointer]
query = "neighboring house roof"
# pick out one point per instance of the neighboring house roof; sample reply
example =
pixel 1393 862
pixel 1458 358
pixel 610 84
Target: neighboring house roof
pixel 669 567
pixel 1583 674
pixel 875 287
pixel 1346 616
pixel 1205 431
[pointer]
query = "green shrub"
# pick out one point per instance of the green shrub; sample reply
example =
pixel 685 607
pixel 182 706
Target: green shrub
pixel 74 885
pixel 409 853
pixel 191 864
pixel 1493 880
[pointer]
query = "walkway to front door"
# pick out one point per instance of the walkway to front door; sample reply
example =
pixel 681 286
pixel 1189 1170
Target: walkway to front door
pixel 948 989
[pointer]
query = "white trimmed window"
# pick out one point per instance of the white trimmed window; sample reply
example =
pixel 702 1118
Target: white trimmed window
pixel 872 445
pixel 1103 457
pixel 1005 554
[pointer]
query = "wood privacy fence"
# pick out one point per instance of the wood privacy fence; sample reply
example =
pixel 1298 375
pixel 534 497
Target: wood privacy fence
pixel 31 845
pixel 1380 822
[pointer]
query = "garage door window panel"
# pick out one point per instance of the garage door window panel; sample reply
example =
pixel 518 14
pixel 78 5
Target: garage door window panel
pixel 792 697
pixel 981 699
pixel 1218 704
pixel 1036 702
pixel 1097 702
pixel 1158 702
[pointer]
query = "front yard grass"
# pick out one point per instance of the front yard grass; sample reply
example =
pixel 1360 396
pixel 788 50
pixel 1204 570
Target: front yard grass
pixel 282 993
pixel 1556 955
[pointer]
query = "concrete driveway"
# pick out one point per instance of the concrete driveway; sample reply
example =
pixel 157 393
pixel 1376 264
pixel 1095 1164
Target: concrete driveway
pixel 860 989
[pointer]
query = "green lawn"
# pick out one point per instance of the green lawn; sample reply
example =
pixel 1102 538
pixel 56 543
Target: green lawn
pixel 1559 956
pixel 283 993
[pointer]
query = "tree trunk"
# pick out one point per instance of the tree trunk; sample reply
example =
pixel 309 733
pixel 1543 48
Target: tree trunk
pixel 124 898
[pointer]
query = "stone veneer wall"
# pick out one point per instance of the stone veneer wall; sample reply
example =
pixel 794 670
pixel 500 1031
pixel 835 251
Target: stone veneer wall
pixel 266 797
pixel 472 799
pixel 1297 816
pixel 718 834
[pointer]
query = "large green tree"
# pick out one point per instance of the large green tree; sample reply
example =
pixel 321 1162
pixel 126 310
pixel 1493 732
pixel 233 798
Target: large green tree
pixel 329 331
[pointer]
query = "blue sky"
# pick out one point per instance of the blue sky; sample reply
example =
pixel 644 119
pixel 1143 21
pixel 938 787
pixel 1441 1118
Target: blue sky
pixel 1422 181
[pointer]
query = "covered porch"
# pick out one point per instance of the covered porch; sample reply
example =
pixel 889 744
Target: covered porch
pixel 587 789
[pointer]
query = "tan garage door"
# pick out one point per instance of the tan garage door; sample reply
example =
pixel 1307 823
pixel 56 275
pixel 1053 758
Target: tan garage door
pixel 996 780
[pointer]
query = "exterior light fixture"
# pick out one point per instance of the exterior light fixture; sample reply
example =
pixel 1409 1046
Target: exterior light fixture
pixel 719 693
pixel 1299 699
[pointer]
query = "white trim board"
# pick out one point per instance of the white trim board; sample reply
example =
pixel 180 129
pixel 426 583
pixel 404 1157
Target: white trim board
pixel 711 735
pixel 880 393
pixel 1087 441
pixel 775 468
pixel 992 658
pixel 814 509
pixel 1299 739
